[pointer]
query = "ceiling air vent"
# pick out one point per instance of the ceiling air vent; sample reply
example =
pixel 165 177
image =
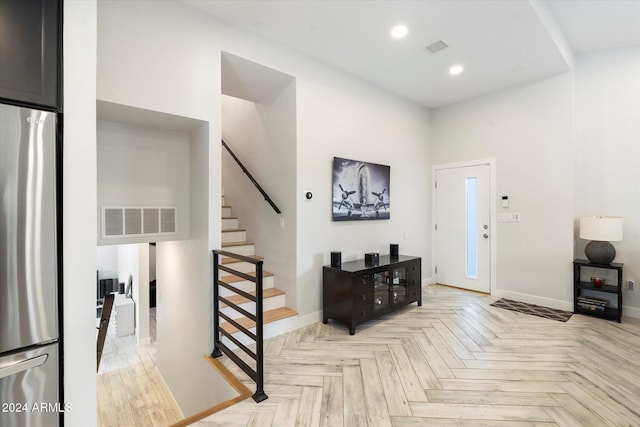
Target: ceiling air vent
pixel 436 47
pixel 133 221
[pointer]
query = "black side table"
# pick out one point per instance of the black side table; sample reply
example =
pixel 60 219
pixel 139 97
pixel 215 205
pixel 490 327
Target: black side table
pixel 611 313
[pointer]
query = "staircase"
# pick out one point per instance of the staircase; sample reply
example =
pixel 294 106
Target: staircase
pixel 234 239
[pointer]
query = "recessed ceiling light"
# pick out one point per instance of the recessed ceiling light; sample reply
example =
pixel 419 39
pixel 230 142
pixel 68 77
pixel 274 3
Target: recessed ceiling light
pixel 455 70
pixel 399 31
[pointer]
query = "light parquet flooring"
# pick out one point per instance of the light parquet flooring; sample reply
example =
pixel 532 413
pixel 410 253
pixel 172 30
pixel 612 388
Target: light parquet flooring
pixel 455 361
pixel 130 390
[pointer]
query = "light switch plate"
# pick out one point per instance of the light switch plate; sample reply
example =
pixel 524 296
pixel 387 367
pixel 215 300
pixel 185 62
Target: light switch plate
pixel 505 217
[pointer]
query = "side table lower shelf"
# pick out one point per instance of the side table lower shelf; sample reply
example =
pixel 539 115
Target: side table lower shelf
pixel 615 291
pixel 609 313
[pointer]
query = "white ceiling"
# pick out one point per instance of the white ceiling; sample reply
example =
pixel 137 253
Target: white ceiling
pixel 500 43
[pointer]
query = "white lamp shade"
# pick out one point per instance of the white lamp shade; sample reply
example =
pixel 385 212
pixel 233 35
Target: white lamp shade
pixel 603 228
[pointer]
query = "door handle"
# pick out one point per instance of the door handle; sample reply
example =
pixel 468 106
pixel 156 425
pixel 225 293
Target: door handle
pixel 485 235
pixel 23 365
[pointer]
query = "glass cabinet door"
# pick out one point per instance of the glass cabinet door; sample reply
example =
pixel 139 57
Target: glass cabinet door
pixel 398 285
pixel 380 290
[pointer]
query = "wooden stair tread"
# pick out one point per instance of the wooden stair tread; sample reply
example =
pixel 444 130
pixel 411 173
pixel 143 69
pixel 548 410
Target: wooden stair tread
pixel 235 279
pixel 233 230
pixel 228 244
pixel 234 260
pixel 268 317
pixel 266 293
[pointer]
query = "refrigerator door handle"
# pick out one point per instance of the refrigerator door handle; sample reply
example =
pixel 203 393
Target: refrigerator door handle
pixel 23 365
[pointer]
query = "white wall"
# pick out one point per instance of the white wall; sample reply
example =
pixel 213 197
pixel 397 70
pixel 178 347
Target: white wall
pixel 339 116
pixel 133 260
pixel 174 66
pixel 122 260
pixel 79 206
pixel 608 136
pixel 107 259
pixel 529 131
pixel 262 135
pixel 142 166
pixel 185 300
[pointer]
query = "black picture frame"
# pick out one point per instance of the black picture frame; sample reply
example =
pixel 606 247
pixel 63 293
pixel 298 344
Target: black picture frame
pixel 361 190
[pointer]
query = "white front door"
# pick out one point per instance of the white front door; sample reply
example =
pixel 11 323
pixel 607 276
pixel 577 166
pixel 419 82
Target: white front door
pixel 463 227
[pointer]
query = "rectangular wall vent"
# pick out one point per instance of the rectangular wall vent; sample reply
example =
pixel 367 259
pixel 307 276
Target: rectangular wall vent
pixel 132 221
pixel 167 220
pixel 151 220
pixel 135 221
pixel 112 222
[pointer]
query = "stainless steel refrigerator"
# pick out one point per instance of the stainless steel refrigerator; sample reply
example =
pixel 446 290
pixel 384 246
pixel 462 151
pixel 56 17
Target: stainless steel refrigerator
pixel 29 330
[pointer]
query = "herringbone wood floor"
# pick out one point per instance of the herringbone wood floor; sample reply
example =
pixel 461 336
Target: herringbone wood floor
pixel 455 361
pixel 130 390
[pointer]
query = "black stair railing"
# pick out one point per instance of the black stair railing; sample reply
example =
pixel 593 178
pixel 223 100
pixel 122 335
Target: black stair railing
pixel 219 347
pixel 251 178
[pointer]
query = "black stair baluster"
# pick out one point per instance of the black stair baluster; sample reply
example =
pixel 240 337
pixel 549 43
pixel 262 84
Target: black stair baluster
pixel 219 348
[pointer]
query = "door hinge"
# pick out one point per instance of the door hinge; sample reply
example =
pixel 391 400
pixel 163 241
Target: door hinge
pixel 436 227
pixel 435 184
pixel 436 269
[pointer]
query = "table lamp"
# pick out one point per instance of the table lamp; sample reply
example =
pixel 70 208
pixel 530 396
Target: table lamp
pixel 600 230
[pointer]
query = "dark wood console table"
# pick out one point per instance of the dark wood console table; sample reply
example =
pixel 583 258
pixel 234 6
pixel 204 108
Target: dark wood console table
pixel 357 292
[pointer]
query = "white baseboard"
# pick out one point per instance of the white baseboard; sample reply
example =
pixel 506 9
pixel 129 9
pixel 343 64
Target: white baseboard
pixel 630 311
pixel 426 281
pixel 278 328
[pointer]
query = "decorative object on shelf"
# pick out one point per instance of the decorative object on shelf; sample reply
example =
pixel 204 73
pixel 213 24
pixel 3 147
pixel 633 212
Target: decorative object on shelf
pixel 336 259
pixel 371 258
pixel 592 304
pixel 598 281
pixel 601 230
pixel 393 250
pixel 361 190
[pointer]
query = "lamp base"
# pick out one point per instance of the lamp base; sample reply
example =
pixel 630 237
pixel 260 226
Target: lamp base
pixel 600 252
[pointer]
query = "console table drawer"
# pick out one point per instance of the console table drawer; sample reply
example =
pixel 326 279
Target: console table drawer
pixel 414 292
pixel 362 313
pixel 414 275
pixel 365 281
pixel 363 296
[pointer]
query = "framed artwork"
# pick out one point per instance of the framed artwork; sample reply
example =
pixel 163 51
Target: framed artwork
pixel 360 190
